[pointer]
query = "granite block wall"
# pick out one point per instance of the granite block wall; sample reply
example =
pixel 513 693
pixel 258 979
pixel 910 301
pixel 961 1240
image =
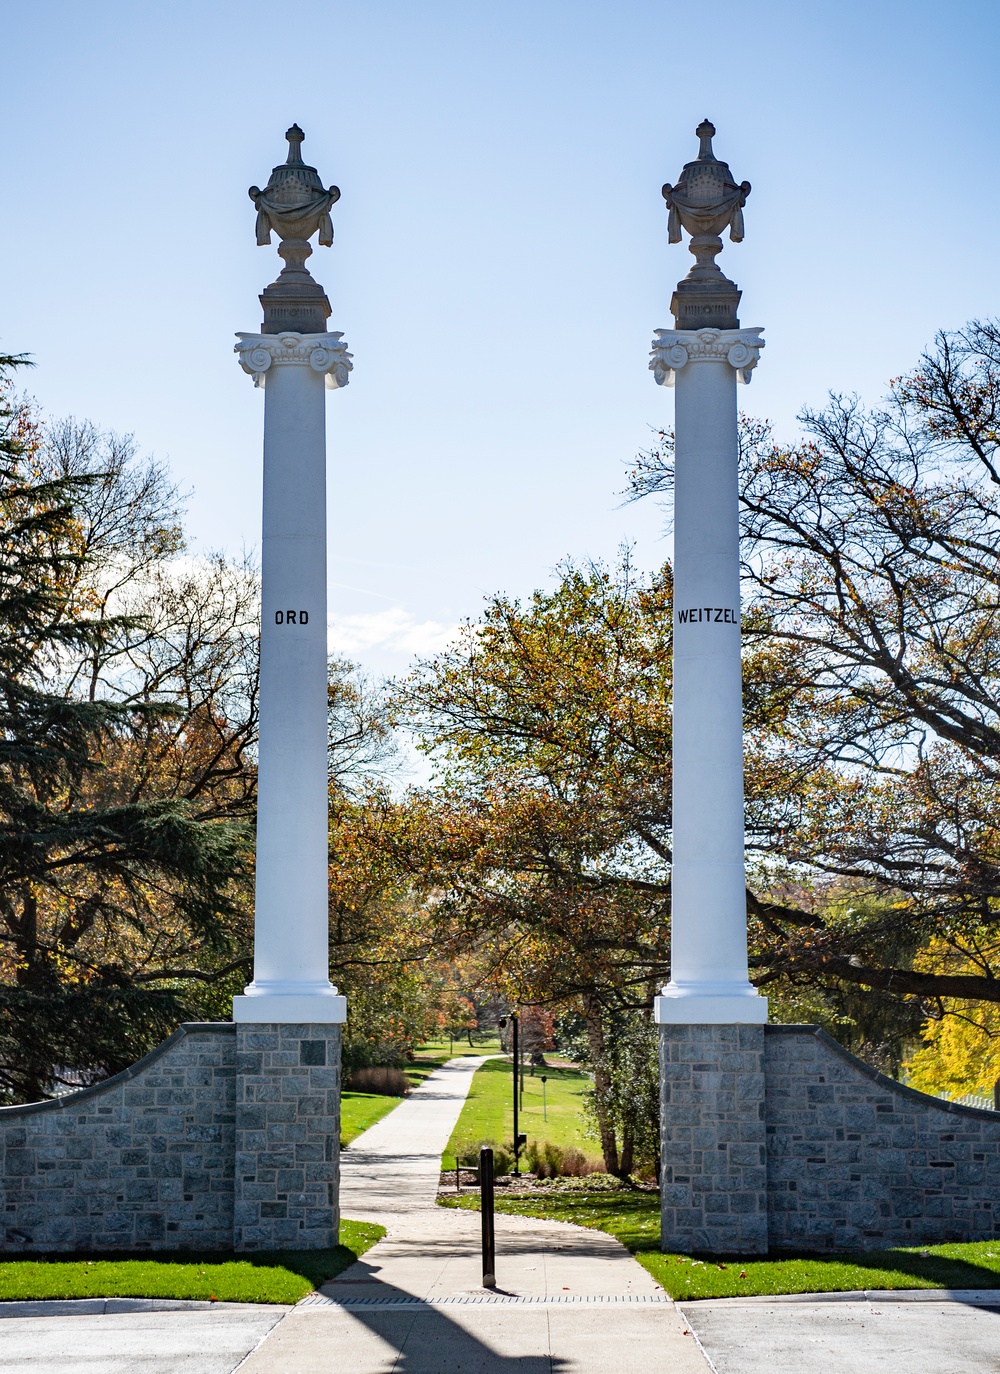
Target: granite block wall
pixel 774 1138
pixel 143 1161
pixel 287 1137
pixel 713 1174
pixel 225 1137
pixel 856 1161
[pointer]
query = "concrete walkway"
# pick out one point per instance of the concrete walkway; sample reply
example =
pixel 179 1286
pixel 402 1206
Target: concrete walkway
pixel 570 1301
pixel 163 1341
pixel 917 1332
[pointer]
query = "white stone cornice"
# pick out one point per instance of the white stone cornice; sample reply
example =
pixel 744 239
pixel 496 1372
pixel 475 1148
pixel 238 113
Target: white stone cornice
pixel 675 348
pixel 322 352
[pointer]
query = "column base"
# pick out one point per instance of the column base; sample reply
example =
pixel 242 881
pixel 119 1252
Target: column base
pixel 274 1008
pixel 714 1009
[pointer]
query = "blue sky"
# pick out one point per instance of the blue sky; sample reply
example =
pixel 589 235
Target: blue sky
pixel 501 257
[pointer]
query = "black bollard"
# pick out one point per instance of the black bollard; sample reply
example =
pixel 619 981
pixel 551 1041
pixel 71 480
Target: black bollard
pixel 486 1206
pixel 516 1060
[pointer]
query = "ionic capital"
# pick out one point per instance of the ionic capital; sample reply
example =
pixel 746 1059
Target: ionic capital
pixel 675 348
pixel 322 352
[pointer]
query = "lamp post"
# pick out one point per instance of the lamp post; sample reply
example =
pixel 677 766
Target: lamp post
pixel 519 1140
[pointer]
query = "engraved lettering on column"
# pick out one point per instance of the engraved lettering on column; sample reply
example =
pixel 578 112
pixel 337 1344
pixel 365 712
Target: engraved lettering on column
pixel 715 615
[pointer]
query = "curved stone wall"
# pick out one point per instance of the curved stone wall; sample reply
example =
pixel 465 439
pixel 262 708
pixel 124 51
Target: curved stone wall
pixel 857 1161
pixel 143 1161
pixel 775 1138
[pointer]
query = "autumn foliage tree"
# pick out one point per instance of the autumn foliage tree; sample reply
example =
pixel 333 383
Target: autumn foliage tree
pixel 872 711
pixel 544 843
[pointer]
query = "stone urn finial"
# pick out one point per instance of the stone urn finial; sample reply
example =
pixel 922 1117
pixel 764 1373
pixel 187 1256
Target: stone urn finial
pixel 706 201
pixel 294 201
pixel 296 205
pixel 705 132
pixel 295 137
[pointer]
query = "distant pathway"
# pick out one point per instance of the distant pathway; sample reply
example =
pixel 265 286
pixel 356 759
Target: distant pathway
pixel 392 1170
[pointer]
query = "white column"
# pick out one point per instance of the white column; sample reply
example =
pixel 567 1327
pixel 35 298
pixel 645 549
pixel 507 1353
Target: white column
pixel 291 923
pixel 709 984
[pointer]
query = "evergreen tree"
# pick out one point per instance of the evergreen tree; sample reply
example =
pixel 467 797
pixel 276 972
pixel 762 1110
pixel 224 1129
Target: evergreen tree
pixel 86 865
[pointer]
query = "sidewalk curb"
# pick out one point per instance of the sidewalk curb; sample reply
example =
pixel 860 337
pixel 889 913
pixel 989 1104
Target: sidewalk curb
pixel 402 1303
pixel 103 1307
pixel 970 1297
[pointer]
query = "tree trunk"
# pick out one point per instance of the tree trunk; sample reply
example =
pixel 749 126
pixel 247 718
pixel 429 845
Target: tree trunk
pixel 29 972
pixel 595 1037
pixel 628 1154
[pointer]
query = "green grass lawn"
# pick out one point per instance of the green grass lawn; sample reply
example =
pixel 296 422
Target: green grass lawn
pixel 488 1111
pixel 358 1111
pixel 283 1276
pixel 433 1053
pixel 446 1049
pixel 634 1219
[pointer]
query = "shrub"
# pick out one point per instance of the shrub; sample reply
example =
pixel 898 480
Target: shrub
pixel 596 1182
pixel 467 1154
pixel 546 1160
pixel 389 1082
pixel 575 1164
pixel 371 1054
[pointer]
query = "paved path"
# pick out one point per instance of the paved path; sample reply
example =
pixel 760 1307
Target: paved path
pixel 570 1301
pixel 851 1333
pixel 133 1342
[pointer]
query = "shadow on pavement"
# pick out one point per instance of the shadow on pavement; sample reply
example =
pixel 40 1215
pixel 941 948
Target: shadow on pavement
pixel 514 1244
pixel 425 1094
pixel 429 1339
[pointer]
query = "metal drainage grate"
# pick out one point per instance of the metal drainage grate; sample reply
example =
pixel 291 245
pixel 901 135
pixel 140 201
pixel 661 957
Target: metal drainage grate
pixel 484 1300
